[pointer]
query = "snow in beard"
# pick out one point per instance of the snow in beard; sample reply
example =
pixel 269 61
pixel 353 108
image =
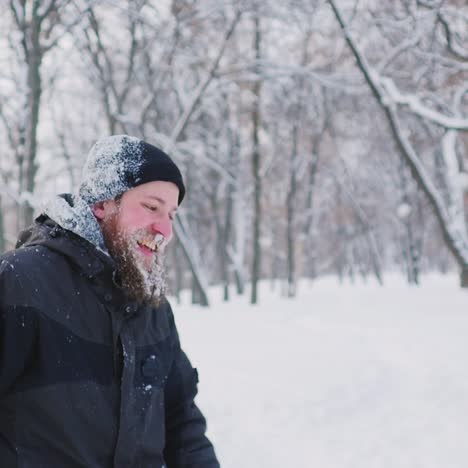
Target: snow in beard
pixel 142 276
pixel 153 275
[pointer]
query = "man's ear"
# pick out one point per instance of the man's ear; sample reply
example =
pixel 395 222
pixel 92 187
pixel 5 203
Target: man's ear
pixel 99 210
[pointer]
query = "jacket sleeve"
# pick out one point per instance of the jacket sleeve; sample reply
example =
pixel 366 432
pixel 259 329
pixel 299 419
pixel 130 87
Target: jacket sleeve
pixel 186 443
pixel 17 330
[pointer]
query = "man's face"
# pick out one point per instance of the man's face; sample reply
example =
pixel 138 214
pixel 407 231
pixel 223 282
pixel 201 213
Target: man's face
pixel 136 229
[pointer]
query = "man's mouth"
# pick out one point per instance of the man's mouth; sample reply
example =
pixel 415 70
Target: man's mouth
pixel 151 245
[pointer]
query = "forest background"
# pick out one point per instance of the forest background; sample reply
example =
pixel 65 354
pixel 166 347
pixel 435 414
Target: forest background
pixel 315 136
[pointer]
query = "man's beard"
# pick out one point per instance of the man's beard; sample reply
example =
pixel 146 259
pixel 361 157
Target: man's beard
pixel 144 282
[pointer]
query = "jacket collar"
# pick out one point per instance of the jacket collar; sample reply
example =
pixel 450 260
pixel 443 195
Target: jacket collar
pixel 46 232
pixel 69 228
pixel 74 214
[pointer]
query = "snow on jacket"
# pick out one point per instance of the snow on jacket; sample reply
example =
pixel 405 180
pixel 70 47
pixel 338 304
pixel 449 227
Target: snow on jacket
pixel 87 378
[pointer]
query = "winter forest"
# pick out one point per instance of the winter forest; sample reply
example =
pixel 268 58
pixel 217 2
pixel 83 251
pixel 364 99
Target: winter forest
pixel 316 137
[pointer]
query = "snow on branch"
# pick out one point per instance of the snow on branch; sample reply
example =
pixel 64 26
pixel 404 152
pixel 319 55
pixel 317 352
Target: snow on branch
pixel 184 118
pixel 67 27
pixel 451 227
pixel 452 42
pixel 403 47
pixel 202 157
pixel 45 9
pixel 385 90
pixel 394 95
pixel 456 240
pixel 455 182
pixel 23 198
pixel 459 94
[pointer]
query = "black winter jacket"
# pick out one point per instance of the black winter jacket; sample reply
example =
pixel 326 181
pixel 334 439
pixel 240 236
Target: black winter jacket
pixel 87 378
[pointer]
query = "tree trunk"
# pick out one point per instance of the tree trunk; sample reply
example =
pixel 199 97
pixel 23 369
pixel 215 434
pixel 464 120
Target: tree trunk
pixel 291 209
pixel 309 219
pixel 409 248
pixel 464 278
pixel 200 284
pixel 226 241
pixel 33 58
pixel 34 99
pixel 256 249
pixel 237 201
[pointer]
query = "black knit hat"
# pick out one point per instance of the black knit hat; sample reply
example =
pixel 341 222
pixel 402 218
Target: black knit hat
pixel 119 163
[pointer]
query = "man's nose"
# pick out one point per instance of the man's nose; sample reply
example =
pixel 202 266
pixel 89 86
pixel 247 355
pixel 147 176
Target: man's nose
pixel 164 227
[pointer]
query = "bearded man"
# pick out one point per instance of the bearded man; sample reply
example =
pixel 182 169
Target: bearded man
pixel 92 374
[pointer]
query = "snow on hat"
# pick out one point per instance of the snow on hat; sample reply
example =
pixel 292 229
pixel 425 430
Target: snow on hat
pixel 119 163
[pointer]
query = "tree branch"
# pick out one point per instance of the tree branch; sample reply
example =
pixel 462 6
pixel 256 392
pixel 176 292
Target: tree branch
pixel 198 93
pixel 455 239
pixel 453 47
pixel 393 95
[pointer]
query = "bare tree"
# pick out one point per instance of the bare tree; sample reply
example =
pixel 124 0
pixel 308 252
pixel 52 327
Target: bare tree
pixel 449 215
pixel 257 212
pixel 39 26
pixel 293 161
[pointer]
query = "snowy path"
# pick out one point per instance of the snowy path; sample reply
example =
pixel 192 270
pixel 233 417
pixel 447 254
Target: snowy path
pixel 342 377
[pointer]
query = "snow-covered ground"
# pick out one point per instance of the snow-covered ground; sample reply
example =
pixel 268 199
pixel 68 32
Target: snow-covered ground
pixel 343 376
